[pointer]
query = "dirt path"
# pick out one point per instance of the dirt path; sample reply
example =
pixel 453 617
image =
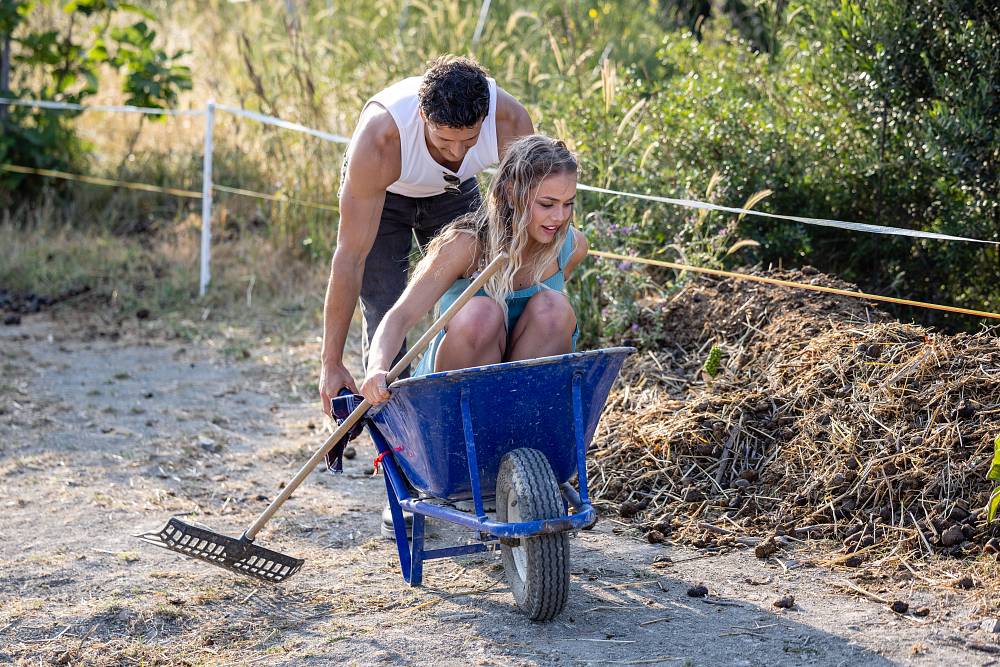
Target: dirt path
pixel 100 439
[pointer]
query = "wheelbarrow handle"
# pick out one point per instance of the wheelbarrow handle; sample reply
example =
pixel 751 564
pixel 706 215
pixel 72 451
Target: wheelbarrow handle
pixel 360 411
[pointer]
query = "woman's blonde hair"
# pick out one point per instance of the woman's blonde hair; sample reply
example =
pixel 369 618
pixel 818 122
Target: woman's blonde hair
pixel 501 222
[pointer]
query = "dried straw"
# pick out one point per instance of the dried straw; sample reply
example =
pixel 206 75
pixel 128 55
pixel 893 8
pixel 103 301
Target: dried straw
pixel 828 420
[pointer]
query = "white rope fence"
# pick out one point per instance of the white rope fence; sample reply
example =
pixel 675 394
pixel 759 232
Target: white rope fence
pixel 207 186
pixel 822 222
pixel 67 106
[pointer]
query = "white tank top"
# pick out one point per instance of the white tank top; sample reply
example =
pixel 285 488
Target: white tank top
pixel 421 175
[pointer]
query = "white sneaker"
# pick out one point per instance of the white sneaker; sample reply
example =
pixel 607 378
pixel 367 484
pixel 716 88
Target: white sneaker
pixel 387 529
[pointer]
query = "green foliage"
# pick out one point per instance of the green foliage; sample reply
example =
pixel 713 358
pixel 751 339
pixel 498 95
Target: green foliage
pixel 152 78
pixel 702 242
pixel 713 364
pixel 65 65
pixel 920 79
pixel 994 475
pixel 881 111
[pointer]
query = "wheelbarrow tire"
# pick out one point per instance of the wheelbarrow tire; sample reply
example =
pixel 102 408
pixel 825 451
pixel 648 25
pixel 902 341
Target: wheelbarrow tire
pixel 537 568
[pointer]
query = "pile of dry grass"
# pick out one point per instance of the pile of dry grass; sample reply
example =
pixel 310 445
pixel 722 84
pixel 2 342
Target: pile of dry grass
pixel 827 420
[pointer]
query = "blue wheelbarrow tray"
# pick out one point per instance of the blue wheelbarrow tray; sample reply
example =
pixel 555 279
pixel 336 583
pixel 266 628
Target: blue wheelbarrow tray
pixel 447 433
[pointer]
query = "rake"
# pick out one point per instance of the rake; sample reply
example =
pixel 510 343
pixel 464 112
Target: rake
pixel 241 555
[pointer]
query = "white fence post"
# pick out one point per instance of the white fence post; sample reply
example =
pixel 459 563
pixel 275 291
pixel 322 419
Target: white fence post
pixel 483 12
pixel 206 201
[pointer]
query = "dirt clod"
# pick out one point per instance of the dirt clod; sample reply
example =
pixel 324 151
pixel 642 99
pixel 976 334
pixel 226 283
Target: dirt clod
pixel 766 548
pixel 952 536
pixel 630 508
pixel 785 602
pixel 854 561
pixel 698 591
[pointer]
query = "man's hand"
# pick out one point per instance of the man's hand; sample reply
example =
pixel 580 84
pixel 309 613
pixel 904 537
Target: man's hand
pixel 374 387
pixel 332 378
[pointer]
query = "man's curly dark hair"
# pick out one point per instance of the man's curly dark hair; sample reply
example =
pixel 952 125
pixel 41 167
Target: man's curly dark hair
pixel 454 92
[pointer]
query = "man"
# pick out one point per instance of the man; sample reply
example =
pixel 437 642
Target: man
pixel 410 169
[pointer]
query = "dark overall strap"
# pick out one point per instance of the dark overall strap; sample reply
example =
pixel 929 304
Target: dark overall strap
pixel 341 407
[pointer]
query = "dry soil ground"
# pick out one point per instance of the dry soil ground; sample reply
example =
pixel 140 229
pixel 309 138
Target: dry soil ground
pixel 104 434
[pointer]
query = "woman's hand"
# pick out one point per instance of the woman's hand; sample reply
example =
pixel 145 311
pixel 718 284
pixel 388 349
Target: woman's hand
pixel 374 387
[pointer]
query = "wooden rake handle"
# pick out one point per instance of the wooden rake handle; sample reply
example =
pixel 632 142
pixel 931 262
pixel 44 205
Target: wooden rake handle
pixel 360 411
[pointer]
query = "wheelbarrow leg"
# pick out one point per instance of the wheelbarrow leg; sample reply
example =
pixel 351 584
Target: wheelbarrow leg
pixel 399 527
pixel 411 550
pixel 417 551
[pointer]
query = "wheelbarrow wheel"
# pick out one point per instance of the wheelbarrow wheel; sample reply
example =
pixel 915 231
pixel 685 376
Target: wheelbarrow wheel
pixel 537 568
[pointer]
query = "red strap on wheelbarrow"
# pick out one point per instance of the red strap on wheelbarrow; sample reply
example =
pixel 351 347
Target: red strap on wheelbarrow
pixel 377 460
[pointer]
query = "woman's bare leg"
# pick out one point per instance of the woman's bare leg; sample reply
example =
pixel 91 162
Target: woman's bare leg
pixel 476 336
pixel 545 327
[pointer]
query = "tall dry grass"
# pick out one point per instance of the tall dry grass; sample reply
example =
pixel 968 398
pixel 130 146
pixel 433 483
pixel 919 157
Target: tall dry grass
pixel 316 65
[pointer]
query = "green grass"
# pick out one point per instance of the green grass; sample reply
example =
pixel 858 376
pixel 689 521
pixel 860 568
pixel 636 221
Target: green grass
pixel 156 277
pixel 122 273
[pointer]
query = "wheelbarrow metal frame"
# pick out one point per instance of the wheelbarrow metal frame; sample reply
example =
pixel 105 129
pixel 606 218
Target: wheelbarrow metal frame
pixel 412 553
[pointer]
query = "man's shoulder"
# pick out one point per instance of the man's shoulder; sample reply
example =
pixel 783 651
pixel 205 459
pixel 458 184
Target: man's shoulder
pixel 509 110
pixel 377 128
pixel 374 155
pixel 402 93
pixel 512 119
pixel 377 134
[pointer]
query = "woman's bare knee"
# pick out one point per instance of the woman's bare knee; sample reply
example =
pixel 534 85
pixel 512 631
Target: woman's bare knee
pixel 479 323
pixel 551 312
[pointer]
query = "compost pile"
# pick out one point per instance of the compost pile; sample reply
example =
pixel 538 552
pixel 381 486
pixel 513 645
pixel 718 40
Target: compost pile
pixel 826 419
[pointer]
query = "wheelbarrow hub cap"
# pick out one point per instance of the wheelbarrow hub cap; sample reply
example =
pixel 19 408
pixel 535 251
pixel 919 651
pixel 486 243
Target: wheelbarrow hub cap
pixel 519 552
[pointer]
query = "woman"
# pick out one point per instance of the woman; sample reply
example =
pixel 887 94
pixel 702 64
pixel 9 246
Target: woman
pixel 523 312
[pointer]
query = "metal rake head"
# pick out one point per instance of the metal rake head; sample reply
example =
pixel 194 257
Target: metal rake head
pixel 240 555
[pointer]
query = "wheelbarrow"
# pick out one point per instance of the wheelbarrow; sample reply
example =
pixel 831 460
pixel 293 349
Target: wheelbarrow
pixel 515 433
pixel 521 431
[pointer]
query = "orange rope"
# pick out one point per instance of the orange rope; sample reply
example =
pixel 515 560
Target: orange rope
pixel 96 180
pixel 146 187
pixel 793 284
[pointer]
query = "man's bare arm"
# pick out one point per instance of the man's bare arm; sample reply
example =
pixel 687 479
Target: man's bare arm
pixel 513 120
pixel 373 165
